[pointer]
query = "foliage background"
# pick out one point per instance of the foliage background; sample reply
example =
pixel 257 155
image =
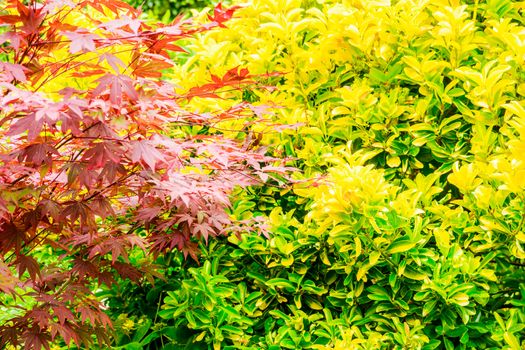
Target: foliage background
pixel 168 9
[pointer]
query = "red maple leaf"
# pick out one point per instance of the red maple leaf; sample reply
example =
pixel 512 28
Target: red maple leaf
pixel 40 317
pixel 12 71
pixel 30 16
pixel 113 61
pixel 29 264
pixel 81 41
pixel 35 339
pixel 234 77
pixel 149 65
pixel 116 86
pixel 127 271
pixel 38 154
pixel 84 268
pixel 144 152
pixel 123 22
pixel 88 314
pixel 66 330
pixel 102 152
pixel 63 314
pixel 221 15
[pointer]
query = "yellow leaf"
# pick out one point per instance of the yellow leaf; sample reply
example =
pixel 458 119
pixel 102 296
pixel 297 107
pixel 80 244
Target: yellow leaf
pixel 340 110
pixel 357 247
pixel 324 258
pixel 489 274
pixel 511 340
pixel 313 304
pixel 361 273
pixel 287 262
pixel 400 246
pixel 464 178
pixel 520 236
pixel 374 257
pixel 200 336
pixel 442 238
pixel 460 299
pixel 393 162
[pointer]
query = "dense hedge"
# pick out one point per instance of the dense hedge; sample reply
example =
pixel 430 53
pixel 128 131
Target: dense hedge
pixel 411 235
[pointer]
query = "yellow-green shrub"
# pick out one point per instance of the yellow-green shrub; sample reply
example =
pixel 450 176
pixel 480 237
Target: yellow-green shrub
pixel 414 113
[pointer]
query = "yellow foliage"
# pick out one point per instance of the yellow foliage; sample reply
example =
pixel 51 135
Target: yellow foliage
pixel 412 128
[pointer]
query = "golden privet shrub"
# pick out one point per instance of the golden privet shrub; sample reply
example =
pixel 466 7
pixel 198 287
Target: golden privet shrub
pixel 412 129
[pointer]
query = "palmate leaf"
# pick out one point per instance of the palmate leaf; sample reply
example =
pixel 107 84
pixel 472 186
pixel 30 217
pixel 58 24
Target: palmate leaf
pixel 64 315
pixel 29 264
pixel 146 153
pixel 234 77
pixel 35 339
pixel 222 15
pixel 13 72
pixel 116 87
pixel 81 41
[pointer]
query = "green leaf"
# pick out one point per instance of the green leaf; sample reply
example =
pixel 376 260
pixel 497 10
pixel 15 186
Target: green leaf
pixel 309 286
pixel 232 330
pixel 130 346
pixel 448 344
pixel 414 275
pixel 202 316
pixel 279 314
pixel 511 340
pixel 281 283
pixel 313 303
pixel 400 246
pixel 429 307
pixel 142 330
pixel 378 293
pixel 152 336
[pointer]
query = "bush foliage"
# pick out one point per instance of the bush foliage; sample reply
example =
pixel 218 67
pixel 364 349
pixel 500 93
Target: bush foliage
pixel 167 9
pixel 410 232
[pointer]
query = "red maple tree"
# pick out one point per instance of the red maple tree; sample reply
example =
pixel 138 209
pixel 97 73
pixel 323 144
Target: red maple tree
pixel 91 173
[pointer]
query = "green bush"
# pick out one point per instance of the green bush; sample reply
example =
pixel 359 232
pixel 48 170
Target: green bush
pixel 303 289
pixel 168 9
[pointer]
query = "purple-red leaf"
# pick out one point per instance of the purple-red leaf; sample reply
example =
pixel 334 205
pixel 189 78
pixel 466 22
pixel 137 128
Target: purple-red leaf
pixel 81 41
pixel 144 152
pixel 29 264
